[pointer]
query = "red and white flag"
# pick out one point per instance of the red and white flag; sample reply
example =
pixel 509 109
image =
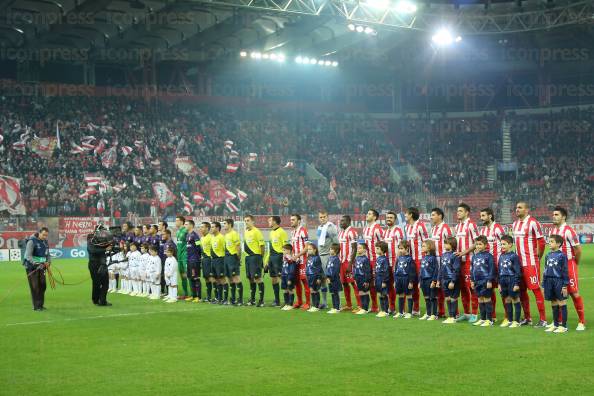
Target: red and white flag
pixel 1 139
pixel 100 146
pixel 20 145
pixel 93 179
pixel 188 208
pixel 228 144
pixel 198 197
pixel 126 150
pixel 241 195
pixel 163 194
pixel 76 149
pixel 88 192
pixel 232 168
pixel 119 187
pixel 139 144
pixel 88 139
pixel 109 157
pixel 231 206
pixel 186 166
pixel 10 196
pixel 229 195
pixel 87 146
pixel 208 204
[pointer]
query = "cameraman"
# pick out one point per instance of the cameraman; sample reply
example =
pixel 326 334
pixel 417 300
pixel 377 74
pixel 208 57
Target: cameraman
pixel 100 246
pixel 37 259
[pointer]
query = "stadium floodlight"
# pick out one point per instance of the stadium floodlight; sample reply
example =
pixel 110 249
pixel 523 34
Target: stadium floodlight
pixel 379 4
pixel 265 56
pixel 299 60
pixel 360 29
pixel 327 63
pixel 305 60
pixel 313 61
pixel 368 30
pixel 443 37
pixel 256 55
pixel 321 62
pixel 281 57
pixel 272 56
pixel 243 54
pixel 351 27
pixel 458 39
pixel 406 7
pixel 334 64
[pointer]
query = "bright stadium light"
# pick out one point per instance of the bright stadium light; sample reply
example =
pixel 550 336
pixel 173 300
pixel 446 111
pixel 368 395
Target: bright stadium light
pixel 299 60
pixel 351 27
pixel 327 63
pixel 281 57
pixel 334 64
pixel 272 56
pixel 313 61
pixel 360 29
pixel 443 38
pixel 458 39
pixel 305 60
pixel 406 7
pixel 243 54
pixel 265 56
pixel 256 55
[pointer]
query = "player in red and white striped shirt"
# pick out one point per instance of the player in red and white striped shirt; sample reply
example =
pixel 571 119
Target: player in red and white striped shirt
pixel 439 232
pixel 572 249
pixel 530 246
pixel 372 233
pixel 347 237
pixel 392 236
pixel 493 231
pixel 416 233
pixel 298 241
pixel 466 233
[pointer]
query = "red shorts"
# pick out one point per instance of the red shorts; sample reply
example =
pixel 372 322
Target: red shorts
pixel 530 277
pixel 465 274
pixel 573 276
pixel 301 271
pixel 346 277
pixel 418 265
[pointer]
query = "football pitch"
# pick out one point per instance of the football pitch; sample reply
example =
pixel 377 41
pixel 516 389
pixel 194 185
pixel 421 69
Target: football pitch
pixel 139 346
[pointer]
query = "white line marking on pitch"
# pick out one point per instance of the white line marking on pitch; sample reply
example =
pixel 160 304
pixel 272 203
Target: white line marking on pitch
pixel 110 316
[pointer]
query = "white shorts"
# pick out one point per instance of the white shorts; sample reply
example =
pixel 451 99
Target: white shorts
pixel 171 280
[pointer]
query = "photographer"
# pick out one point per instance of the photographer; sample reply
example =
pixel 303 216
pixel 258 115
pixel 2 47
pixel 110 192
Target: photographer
pixel 100 248
pixel 37 259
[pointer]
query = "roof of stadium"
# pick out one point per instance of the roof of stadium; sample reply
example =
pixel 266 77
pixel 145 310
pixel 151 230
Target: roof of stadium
pixel 210 31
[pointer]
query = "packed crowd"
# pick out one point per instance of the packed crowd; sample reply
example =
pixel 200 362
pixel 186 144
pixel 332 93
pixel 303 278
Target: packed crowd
pixel 287 161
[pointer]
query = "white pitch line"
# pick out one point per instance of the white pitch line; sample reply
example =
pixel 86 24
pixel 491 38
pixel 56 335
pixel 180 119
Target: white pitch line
pixel 110 316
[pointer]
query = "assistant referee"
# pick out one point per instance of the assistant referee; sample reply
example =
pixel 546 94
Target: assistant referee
pixel 254 249
pixel 274 263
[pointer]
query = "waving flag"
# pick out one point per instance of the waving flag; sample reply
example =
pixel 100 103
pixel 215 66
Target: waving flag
pixel 88 139
pixel 163 194
pixel 231 206
pixel 208 204
pixel 87 146
pixel 76 149
pixel 100 147
pixel 126 150
pixel 241 195
pixel 93 179
pixel 186 166
pixel 233 154
pixel 20 145
pixel 88 192
pixel 119 187
pixel 188 208
pixel 139 144
pixel 198 197
pixel 10 196
pixel 108 158
pixel 229 195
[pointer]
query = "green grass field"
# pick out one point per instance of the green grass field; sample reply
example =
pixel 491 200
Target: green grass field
pixel 139 346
